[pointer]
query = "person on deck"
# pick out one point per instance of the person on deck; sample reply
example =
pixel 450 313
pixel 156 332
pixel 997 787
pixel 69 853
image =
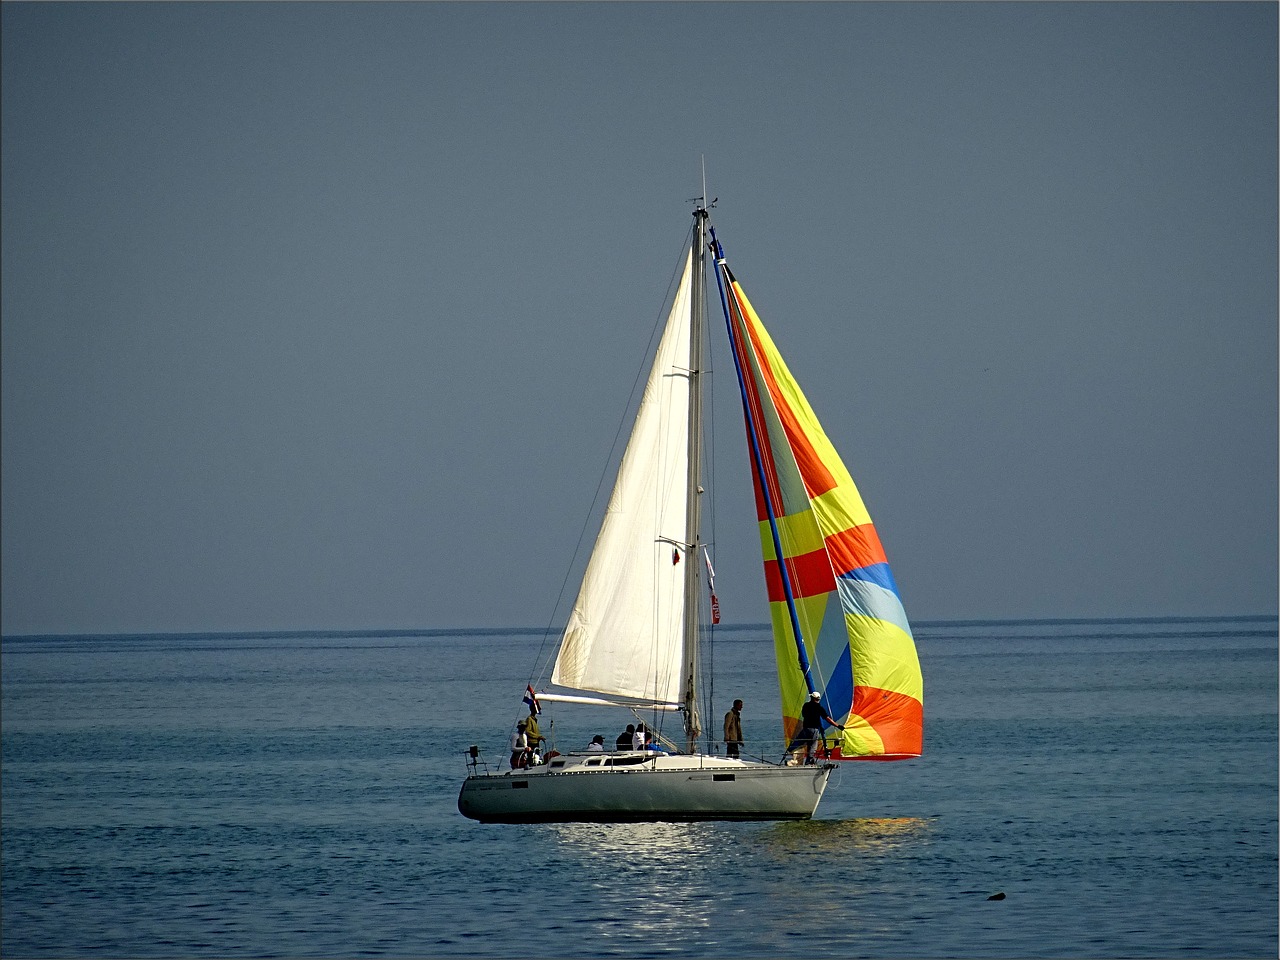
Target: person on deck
pixel 520 749
pixel 638 738
pixel 626 736
pixel 733 730
pixel 596 745
pixel 812 717
pixel 652 744
pixel 536 739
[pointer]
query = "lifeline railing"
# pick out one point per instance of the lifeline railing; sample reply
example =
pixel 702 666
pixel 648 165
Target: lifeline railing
pixel 787 753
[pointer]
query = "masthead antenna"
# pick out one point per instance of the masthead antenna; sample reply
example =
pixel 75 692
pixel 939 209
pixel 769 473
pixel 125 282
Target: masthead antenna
pixel 702 202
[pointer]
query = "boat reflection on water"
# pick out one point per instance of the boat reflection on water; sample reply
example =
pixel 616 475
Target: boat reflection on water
pixel 668 873
pixel 664 882
pixel 642 845
pixel 866 836
pixel 637 843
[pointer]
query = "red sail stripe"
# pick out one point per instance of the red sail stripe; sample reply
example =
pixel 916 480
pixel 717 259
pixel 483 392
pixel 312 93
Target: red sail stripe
pixel 755 403
pixel 813 574
pixel 810 575
pixel 761 513
pixel 817 478
pixel 854 548
pixel 897 718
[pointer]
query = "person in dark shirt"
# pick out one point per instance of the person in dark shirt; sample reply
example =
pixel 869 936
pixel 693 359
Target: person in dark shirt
pixel 624 738
pixel 812 717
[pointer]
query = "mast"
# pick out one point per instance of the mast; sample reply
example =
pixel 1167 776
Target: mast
pixel 697 321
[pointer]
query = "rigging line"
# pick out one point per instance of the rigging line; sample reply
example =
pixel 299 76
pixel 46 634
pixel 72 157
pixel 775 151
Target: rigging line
pixel 543 660
pixel 722 276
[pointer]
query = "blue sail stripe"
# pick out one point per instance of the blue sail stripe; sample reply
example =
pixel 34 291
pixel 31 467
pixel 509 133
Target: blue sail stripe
pixel 878 573
pixel 839 692
pixel 867 598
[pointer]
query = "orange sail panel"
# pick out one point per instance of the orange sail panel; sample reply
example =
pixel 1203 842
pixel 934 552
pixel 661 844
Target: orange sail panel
pixel 854 631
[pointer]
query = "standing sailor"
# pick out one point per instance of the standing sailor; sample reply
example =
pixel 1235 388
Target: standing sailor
pixel 733 730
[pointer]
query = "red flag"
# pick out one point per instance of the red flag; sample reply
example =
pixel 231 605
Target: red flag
pixel 675 557
pixel 715 609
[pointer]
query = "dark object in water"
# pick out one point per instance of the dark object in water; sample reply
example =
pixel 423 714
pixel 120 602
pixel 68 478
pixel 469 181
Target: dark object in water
pixel 996 896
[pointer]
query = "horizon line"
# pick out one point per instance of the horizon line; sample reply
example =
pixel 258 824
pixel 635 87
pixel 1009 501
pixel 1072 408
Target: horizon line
pixel 405 632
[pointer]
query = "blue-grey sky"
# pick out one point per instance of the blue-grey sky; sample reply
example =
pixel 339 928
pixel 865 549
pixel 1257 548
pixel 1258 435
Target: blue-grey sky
pixel 325 315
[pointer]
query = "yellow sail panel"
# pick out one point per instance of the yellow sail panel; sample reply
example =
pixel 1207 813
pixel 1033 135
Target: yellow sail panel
pixel 884 656
pixel 799 533
pixel 840 508
pixel 791 681
pixel 858 739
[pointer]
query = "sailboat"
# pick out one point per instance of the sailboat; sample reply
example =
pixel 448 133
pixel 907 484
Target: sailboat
pixel 841 636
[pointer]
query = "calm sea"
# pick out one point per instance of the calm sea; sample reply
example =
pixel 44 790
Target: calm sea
pixel 276 795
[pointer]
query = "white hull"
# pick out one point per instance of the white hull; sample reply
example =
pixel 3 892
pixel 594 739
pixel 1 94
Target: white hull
pixel 642 787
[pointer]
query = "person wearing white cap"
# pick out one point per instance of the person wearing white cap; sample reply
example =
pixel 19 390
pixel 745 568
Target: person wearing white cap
pixel 811 717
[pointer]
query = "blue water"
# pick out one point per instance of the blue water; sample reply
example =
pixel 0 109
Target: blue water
pixel 295 796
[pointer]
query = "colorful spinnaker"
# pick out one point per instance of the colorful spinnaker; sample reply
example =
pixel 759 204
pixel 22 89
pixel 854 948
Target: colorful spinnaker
pixel 833 587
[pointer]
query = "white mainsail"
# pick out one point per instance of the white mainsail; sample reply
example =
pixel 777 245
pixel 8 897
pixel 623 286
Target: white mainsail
pixel 625 633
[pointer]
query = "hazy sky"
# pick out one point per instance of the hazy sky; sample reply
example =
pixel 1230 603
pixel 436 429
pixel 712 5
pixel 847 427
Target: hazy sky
pixel 325 316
